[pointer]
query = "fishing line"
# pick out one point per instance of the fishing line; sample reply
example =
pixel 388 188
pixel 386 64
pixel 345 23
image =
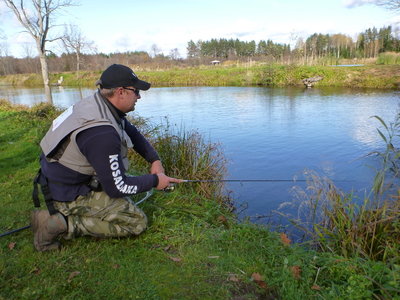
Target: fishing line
pixel 247 180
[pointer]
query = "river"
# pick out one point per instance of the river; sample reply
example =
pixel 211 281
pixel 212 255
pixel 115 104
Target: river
pixel 268 133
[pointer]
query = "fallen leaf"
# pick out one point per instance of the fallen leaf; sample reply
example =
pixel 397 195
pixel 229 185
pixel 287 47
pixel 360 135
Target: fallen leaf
pixel 233 277
pixel 166 249
pixel 296 272
pixel 116 266
pixel 72 275
pixel 259 280
pixel 213 256
pixel 256 277
pixel 316 287
pixel 262 284
pixel 175 259
pixel 11 245
pixel 285 240
pixel 223 220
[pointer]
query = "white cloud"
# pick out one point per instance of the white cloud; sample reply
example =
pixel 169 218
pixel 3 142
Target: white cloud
pixel 395 20
pixel 3 8
pixel 356 3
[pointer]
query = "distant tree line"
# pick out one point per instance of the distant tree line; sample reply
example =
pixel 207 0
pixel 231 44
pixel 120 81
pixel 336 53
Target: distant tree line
pixel 226 49
pixel 68 62
pixel 368 44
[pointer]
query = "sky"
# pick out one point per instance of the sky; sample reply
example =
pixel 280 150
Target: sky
pixel 131 25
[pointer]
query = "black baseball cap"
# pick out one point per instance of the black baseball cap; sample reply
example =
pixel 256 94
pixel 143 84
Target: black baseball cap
pixel 121 76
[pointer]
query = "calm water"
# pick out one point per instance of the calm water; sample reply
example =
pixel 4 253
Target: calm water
pixel 268 133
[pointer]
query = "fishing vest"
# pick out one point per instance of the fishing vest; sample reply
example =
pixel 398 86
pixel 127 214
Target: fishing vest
pixel 59 143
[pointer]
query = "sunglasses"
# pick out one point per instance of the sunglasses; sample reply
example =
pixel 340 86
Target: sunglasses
pixel 133 90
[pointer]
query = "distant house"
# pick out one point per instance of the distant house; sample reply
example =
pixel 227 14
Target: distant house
pixel 215 62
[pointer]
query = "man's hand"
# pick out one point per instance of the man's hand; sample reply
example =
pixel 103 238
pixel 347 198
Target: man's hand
pixel 157 167
pixel 164 181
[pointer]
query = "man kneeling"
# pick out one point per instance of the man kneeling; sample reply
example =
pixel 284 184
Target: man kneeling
pixel 84 163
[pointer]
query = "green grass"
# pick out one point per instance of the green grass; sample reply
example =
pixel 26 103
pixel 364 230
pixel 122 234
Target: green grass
pixel 194 247
pixel 368 76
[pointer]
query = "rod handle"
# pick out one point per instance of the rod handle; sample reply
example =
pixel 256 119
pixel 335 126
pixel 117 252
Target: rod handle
pixel 169 188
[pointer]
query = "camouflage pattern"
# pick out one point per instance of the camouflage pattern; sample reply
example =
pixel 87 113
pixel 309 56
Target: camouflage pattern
pixel 96 214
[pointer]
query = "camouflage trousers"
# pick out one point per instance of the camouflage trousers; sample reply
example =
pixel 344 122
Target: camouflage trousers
pixel 98 215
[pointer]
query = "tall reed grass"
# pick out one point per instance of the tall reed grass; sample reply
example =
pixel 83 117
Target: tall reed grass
pixel 389 158
pixel 388 58
pixel 186 155
pixel 340 223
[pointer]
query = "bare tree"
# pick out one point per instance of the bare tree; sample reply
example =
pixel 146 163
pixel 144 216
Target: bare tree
pixel 174 54
pixel 3 53
pixel 74 41
pixel 37 19
pixel 155 50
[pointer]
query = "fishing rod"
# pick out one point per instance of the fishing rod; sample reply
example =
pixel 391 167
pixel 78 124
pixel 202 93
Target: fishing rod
pixel 15 230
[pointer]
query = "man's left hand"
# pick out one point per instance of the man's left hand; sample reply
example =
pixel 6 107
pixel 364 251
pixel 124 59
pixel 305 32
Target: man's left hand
pixel 157 167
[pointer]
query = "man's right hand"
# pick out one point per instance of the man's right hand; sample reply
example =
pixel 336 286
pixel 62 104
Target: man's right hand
pixel 165 181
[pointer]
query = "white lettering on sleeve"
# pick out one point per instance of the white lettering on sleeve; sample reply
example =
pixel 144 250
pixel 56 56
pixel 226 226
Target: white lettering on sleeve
pixel 117 179
pixel 116 172
pixel 114 166
pixel 113 158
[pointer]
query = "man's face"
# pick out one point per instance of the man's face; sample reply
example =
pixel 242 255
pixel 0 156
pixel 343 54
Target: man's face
pixel 130 96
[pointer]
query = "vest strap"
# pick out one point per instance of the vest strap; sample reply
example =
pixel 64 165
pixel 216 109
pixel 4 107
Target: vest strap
pixel 41 180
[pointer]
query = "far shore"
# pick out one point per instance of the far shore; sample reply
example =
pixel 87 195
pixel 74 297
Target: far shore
pixel 361 76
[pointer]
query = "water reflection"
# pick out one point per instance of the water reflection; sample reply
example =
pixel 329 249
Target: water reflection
pixel 62 96
pixel 268 133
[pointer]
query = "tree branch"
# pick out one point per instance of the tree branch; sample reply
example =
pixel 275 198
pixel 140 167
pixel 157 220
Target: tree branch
pixel 390 4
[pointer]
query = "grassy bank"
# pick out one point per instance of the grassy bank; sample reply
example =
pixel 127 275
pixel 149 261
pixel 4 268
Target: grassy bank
pixel 193 249
pixel 370 76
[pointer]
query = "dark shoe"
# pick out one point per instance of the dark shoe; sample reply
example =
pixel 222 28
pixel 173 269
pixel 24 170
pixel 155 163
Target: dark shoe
pixel 46 228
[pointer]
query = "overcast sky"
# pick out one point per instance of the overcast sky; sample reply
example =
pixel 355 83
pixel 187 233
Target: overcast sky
pixel 129 25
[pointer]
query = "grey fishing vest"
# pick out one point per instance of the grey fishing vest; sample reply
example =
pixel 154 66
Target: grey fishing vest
pixel 59 143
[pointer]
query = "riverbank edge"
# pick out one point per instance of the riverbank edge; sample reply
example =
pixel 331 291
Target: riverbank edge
pixel 193 249
pixel 366 76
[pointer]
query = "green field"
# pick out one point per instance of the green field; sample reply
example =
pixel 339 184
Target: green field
pixel 194 247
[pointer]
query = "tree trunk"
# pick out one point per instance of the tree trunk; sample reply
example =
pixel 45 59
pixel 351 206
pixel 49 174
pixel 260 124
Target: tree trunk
pixel 45 75
pixel 77 61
